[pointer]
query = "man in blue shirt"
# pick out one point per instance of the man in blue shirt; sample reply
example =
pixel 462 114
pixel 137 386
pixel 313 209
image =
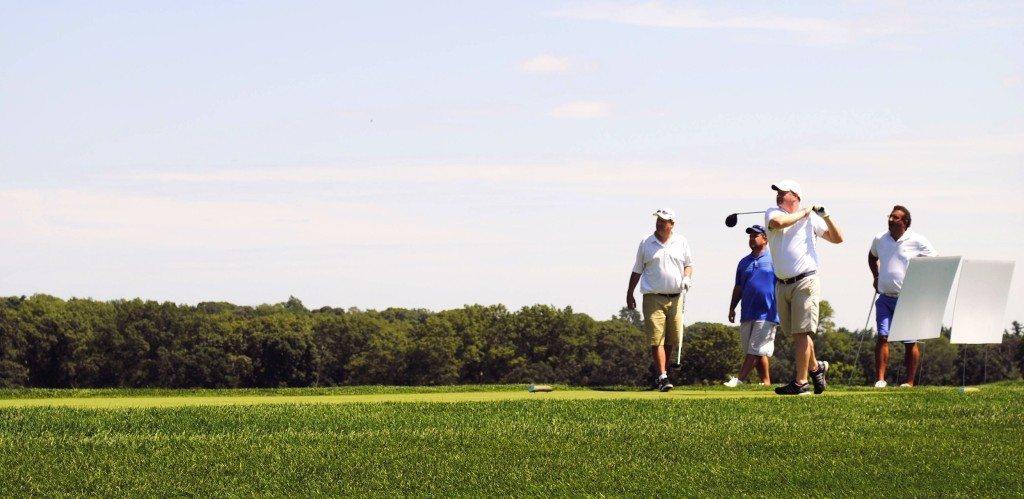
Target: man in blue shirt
pixel 755 286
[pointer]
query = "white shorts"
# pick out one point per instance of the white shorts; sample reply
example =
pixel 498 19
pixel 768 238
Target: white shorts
pixel 758 337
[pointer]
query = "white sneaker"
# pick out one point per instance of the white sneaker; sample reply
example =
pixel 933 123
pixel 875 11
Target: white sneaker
pixel 733 382
pixel 880 383
pixel 906 385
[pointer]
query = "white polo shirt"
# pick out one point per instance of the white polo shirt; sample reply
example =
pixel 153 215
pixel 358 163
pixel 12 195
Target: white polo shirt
pixel 894 258
pixel 661 265
pixel 793 248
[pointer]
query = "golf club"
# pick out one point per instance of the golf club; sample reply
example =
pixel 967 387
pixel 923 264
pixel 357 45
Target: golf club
pixel 679 354
pixel 856 359
pixel 679 357
pixel 730 221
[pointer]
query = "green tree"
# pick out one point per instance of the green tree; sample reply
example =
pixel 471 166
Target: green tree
pixel 624 353
pixel 434 355
pixel 13 345
pixel 711 351
pixel 282 351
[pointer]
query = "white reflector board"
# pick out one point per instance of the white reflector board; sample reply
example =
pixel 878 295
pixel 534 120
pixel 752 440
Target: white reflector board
pixel 981 297
pixel 923 298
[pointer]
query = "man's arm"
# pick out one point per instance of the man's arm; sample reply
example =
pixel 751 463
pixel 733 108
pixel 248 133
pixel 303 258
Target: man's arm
pixel 833 234
pixel 787 219
pixel 736 292
pixel 634 278
pixel 687 279
pixel 925 248
pixel 873 266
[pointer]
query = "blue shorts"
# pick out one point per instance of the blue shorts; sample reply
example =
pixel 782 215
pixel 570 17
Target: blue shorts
pixel 885 307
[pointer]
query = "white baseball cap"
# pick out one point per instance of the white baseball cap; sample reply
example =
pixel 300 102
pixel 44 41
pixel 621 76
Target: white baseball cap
pixel 788 185
pixel 665 214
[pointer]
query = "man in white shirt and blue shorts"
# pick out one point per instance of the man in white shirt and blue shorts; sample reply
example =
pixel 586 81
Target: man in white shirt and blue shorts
pixel 663 268
pixel 792 235
pixel 888 260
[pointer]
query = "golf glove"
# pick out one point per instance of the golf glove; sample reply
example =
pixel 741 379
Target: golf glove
pixel 821 210
pixel 687 283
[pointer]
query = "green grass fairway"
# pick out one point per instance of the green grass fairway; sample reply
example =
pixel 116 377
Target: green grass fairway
pixel 506 441
pixel 96 400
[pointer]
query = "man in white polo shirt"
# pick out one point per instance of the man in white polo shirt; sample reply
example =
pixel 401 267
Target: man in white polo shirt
pixel 663 268
pixel 888 260
pixel 792 234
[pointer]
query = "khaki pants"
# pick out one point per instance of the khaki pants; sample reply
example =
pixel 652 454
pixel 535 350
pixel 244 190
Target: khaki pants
pixel 798 305
pixel 663 319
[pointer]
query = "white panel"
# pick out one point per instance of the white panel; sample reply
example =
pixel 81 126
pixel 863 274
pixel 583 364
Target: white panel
pixel 923 298
pixel 981 301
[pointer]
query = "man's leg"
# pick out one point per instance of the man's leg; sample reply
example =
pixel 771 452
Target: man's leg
pixel 881 356
pixel 761 344
pixel 885 308
pixel 659 358
pixel 805 320
pixel 802 347
pixel 762 369
pixel 911 358
pixel 812 360
pixel 748 364
pixel 654 321
pixel 655 311
pixel 746 333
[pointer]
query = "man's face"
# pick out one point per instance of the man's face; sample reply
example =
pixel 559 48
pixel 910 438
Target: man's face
pixel 757 242
pixel 897 222
pixel 785 197
pixel 663 226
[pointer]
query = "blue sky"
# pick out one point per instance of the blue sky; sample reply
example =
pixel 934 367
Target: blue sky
pixel 415 154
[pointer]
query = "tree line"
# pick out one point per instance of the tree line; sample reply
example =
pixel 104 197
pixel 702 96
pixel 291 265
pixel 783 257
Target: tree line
pixel 82 343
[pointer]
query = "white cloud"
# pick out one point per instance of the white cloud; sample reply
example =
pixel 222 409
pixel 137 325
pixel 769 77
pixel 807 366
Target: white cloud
pixel 84 216
pixel 812 29
pixel 581 110
pixel 546 63
pixel 1013 81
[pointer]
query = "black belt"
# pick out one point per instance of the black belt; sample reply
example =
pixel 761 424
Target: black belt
pixel 668 295
pixel 796 278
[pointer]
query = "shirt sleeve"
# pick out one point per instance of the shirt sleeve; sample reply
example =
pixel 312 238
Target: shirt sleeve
pixel 819 224
pixel 638 264
pixel 739 273
pixel 874 247
pixel 925 248
pixel 771 214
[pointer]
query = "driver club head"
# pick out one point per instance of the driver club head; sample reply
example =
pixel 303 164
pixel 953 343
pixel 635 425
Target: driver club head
pixel 730 221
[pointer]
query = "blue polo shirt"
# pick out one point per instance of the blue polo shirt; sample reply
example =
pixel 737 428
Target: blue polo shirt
pixel 756 277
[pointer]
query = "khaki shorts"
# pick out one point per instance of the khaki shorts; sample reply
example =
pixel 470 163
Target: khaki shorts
pixel 663 319
pixel 758 337
pixel 798 305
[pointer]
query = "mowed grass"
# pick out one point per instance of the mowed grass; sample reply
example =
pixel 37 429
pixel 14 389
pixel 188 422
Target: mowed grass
pixel 921 442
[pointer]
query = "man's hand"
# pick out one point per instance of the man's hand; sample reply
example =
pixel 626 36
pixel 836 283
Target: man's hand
pixel 732 316
pixel 630 302
pixel 821 210
pixel 687 283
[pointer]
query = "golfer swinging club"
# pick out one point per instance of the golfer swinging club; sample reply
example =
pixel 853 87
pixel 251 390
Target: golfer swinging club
pixel 663 268
pixel 792 233
pixel 888 260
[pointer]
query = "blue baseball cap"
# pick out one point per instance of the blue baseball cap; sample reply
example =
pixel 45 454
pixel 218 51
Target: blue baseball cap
pixel 755 229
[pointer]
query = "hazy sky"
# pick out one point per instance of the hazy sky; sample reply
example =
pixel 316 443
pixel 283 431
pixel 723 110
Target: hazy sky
pixel 436 154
